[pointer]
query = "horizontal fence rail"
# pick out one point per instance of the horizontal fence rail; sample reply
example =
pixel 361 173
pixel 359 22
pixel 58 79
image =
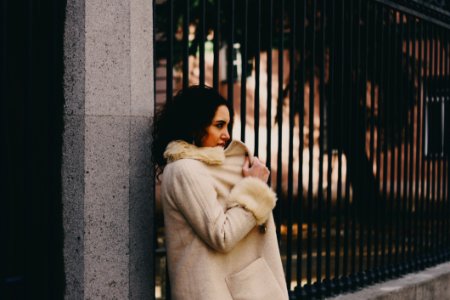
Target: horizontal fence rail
pixel 348 102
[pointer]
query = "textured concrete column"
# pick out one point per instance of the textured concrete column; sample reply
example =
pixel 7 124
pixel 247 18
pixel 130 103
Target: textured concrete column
pixel 107 184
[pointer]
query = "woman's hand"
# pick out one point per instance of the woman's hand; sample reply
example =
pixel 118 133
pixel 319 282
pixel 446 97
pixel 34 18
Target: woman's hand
pixel 256 169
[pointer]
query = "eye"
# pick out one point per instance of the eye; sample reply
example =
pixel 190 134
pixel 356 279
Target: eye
pixel 220 124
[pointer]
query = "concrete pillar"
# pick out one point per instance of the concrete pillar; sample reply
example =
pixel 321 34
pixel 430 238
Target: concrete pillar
pixel 107 176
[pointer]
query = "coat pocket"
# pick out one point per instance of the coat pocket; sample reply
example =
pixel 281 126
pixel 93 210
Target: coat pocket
pixel 254 282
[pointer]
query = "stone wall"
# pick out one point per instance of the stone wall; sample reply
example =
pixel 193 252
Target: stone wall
pixel 107 176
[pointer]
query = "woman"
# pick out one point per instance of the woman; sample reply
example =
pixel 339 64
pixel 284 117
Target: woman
pixel 220 233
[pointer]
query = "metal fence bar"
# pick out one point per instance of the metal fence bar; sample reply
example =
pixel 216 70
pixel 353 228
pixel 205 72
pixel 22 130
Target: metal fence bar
pixel 447 56
pixel 169 66
pixel 230 55
pixel 419 165
pixel 301 101
pixel 290 191
pixel 347 138
pixel 202 41
pixel 430 143
pixel 355 227
pixel 444 74
pixel 401 163
pixel 186 44
pixel 339 91
pixel 376 76
pixel 402 139
pixel 371 205
pixel 431 135
pixel 436 156
pixel 322 100
pixel 244 71
pixel 384 112
pixel 447 182
pixel 269 88
pixel 330 32
pixel 410 63
pixel 441 104
pixel 427 167
pixel 362 214
pixel 435 136
pixel 402 148
pixel 388 152
pixel 441 152
pixel 442 216
pixel 419 160
pixel 360 220
pixel 428 157
pixel 396 150
pixel 391 105
pixel 257 76
pixel 280 100
pixel 413 192
pixel 216 41
pixel 426 160
pixel 411 44
pixel 416 114
pixel 446 211
pixel 372 198
pixel 376 121
pixel 312 28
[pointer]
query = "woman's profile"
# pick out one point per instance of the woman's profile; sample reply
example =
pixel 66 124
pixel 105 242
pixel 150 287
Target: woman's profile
pixel 220 233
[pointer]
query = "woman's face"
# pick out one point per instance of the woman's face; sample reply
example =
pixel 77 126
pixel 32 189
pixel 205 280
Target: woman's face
pixel 217 133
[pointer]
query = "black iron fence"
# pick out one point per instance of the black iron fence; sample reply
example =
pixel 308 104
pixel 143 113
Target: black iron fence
pixel 348 102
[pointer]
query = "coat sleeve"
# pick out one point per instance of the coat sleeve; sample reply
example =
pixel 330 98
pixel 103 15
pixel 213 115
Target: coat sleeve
pixel 191 190
pixel 255 196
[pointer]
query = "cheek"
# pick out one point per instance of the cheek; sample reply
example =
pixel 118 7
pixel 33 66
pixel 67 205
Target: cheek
pixel 212 132
pixel 218 134
pixel 211 138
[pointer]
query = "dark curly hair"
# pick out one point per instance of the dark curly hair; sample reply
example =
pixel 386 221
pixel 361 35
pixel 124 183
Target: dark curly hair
pixel 185 117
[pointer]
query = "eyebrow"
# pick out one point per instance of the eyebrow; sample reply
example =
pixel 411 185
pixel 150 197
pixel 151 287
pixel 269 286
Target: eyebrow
pixel 220 121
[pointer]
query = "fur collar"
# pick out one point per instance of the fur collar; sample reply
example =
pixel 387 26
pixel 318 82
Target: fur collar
pixel 180 149
pixel 210 155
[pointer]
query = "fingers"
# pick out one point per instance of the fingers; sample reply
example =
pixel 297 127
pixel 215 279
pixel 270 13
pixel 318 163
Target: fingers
pixel 246 167
pixel 246 162
pixel 256 161
pixel 257 169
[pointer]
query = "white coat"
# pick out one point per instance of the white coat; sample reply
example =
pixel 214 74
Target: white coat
pixel 213 218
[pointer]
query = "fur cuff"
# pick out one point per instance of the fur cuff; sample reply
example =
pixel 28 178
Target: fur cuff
pixel 255 196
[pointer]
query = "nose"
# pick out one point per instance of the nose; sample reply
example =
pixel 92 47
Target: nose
pixel 226 135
